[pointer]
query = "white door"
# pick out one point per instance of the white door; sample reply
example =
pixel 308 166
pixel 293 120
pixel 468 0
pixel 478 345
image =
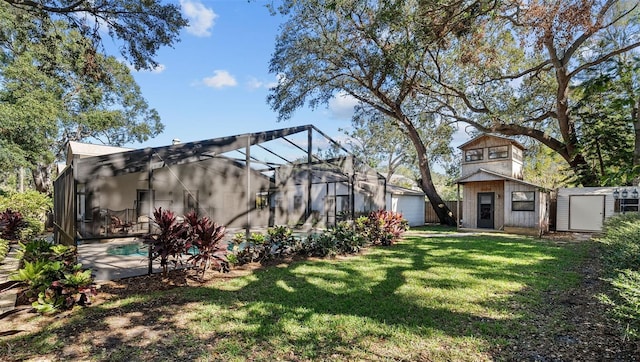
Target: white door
pixel 586 213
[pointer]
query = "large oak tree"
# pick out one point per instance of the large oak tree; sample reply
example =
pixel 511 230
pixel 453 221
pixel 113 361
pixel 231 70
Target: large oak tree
pixel 374 51
pixel 516 72
pixel 55 88
pixel 142 26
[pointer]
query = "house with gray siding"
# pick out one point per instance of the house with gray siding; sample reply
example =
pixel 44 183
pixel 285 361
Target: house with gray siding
pixel 249 181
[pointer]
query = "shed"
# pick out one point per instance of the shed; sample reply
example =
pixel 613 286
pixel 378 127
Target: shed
pixel 410 203
pixel 584 209
pixel 495 195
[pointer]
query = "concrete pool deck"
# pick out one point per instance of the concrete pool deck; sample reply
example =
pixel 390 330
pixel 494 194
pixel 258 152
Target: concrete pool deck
pixel 108 265
pixel 113 259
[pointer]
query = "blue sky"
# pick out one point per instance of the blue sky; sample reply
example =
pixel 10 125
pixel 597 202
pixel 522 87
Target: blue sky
pixel 215 81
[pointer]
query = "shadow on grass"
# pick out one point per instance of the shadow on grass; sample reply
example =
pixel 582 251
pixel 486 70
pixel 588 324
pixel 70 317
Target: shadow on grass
pixel 449 298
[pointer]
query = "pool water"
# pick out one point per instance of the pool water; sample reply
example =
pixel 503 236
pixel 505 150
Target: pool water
pixel 135 249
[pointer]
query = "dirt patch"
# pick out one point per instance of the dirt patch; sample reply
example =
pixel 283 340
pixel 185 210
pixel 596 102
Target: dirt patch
pixel 573 325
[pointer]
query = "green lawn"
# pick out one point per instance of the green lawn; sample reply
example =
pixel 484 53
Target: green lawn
pixel 437 298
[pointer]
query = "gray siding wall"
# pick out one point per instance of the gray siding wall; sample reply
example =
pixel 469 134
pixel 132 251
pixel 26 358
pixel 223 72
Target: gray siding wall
pixel 221 188
pixel 525 219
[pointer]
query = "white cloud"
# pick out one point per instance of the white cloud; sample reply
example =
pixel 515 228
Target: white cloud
pixel 255 83
pixel 220 79
pixel 156 70
pixel 201 18
pixel 341 106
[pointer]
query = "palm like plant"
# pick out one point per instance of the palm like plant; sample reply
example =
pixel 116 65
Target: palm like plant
pixel 207 237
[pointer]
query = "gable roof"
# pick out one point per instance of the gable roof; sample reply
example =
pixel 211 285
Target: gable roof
pixel 483 174
pixel 88 149
pixel 399 190
pixel 491 135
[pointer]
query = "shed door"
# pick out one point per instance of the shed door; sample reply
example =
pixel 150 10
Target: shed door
pixel 586 213
pixel 485 210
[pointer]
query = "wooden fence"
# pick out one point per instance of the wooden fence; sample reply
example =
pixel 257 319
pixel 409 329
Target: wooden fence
pixel 430 216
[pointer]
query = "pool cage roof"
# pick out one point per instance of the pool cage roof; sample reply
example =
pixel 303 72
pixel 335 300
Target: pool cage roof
pixel 264 152
pixel 303 153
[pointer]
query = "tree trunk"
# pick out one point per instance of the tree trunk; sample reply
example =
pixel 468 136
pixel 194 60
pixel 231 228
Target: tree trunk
pixel 42 178
pixel 636 149
pixel 426 183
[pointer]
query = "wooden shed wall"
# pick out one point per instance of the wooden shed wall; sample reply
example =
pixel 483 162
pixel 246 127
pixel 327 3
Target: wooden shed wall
pixel 470 206
pixel 524 219
pixel 507 166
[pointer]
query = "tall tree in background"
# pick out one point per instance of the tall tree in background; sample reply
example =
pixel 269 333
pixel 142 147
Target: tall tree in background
pixel 374 52
pixel 143 26
pixel 375 139
pixel 378 142
pixel 56 88
pixel 531 54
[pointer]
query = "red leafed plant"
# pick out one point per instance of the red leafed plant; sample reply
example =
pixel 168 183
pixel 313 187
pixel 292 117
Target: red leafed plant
pixel 385 227
pixel 171 240
pixel 207 237
pixel 11 222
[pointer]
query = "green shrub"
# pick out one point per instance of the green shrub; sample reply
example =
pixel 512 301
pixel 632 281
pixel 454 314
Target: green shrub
pixel 4 248
pixel 321 245
pixel 349 239
pixel 52 278
pixel 33 206
pixel 34 250
pixel 620 243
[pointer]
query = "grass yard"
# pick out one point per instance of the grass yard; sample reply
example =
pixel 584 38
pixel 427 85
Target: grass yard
pixel 424 299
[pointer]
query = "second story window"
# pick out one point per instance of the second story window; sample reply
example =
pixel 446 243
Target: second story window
pixel 473 155
pixel 517 154
pixel 498 152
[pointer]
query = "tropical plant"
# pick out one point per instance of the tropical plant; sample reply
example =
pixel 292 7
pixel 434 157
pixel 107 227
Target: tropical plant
pixel 281 242
pixel 207 236
pixel 170 241
pixel 52 278
pixel 385 227
pixel 33 250
pixel 11 222
pixel 33 206
pixel 348 238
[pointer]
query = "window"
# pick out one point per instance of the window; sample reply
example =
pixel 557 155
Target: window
pixel 297 202
pixel 262 200
pixel 523 201
pixel 473 155
pixel 517 153
pixel 190 201
pixel 498 152
pixel 626 205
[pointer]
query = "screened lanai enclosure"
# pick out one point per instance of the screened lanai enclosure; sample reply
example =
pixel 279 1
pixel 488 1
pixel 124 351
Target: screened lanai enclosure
pixel 295 176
